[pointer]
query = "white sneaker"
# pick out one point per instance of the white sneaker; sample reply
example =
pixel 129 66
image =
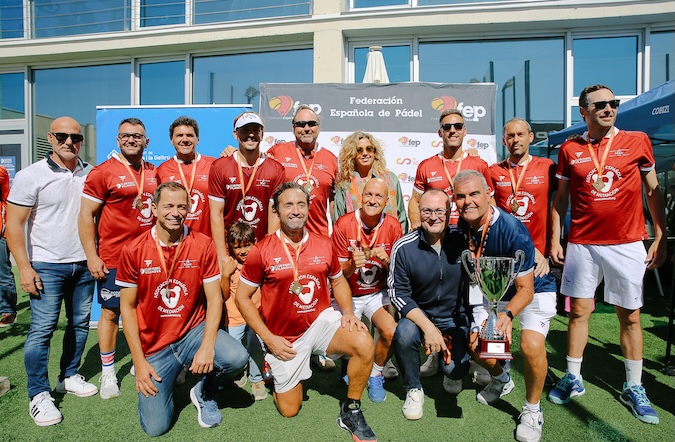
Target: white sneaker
pixel 389 370
pixel 530 426
pixel 109 387
pixel 430 367
pixel 452 386
pixel 43 411
pixel 322 362
pixel 413 407
pixel 76 385
pixel 479 375
pixel 494 391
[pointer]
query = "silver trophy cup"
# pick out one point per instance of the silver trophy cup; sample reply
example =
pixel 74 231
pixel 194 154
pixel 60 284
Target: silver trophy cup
pixel 494 276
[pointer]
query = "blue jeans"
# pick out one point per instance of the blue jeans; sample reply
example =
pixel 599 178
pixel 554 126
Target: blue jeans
pixel 7 283
pixel 252 345
pixel 73 284
pixel 407 341
pixel 230 357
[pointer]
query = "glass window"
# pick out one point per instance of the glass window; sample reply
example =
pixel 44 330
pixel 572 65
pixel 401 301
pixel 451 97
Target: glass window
pixel 235 79
pixel 162 12
pixel 162 83
pixel 55 18
pixel 76 92
pixel 214 11
pixel 11 19
pixel 11 96
pixel 396 58
pixel 374 3
pixel 529 75
pixel 662 66
pixel 611 61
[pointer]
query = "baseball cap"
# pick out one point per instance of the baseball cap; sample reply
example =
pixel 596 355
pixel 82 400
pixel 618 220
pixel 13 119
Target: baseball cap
pixel 248 118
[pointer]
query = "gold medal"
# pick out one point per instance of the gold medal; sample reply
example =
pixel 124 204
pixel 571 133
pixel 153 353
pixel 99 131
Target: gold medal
pixel 515 206
pixel 139 203
pixel 296 288
pixel 308 187
pixel 598 184
pixel 366 252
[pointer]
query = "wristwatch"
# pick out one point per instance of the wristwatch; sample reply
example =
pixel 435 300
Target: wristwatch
pixel 508 313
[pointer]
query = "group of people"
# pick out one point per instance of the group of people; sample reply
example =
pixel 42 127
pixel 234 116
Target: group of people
pixel 292 247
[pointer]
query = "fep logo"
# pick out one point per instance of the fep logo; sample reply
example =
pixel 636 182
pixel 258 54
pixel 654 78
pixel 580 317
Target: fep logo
pixel 282 104
pixel 405 141
pixel 444 102
pixel 405 178
pixel 475 144
pixel 336 140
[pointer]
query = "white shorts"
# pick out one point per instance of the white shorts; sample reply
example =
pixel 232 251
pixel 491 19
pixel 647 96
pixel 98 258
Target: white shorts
pixel 288 374
pixel 536 316
pixel 368 304
pixel 622 266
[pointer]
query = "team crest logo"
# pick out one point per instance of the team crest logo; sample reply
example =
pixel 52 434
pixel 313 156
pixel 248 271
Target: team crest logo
pixel 233 179
pixel 172 177
pixel 433 173
pixel 307 292
pixel 607 179
pixel 122 177
pixel 170 297
pixel 148 262
pixel 578 154
pixel 523 204
pixel 368 275
pixel 276 260
pixel 194 203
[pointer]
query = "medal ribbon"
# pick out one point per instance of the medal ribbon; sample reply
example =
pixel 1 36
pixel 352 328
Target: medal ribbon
pixel 133 177
pixel 251 178
pixel 162 262
pixel 600 167
pixel 359 232
pixel 294 263
pixel 477 252
pixel 308 173
pixel 447 173
pixel 182 175
pixel 515 185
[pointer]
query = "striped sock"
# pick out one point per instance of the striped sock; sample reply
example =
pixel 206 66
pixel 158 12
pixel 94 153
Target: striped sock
pixel 108 361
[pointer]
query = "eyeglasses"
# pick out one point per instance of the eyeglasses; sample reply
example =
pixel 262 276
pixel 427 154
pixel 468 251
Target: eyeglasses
pixel 369 149
pixel 125 137
pixel 310 123
pixel 426 213
pixel 600 105
pixel 62 137
pixel 448 126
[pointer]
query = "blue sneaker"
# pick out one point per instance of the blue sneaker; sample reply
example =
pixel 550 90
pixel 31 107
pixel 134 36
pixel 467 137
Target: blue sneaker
pixel 635 398
pixel 208 413
pixel 566 388
pixel 376 391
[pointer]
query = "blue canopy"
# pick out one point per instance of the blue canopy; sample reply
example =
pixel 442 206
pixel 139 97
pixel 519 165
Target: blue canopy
pixel 652 112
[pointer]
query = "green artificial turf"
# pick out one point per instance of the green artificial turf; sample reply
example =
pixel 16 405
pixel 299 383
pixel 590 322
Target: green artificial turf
pixel 596 416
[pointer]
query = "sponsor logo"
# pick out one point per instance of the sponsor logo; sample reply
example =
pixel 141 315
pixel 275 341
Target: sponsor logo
pixel 469 112
pixel 409 142
pixel 336 140
pixel 122 177
pixel 148 262
pixel 404 161
pixel 444 102
pixel 661 110
pixel 437 143
pixel 282 104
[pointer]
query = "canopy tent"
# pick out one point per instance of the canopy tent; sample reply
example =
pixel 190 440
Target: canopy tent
pixel 651 112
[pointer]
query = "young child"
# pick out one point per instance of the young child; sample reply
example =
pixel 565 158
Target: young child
pixel 240 238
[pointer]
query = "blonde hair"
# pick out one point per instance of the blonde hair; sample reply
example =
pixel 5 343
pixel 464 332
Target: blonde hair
pixel 347 157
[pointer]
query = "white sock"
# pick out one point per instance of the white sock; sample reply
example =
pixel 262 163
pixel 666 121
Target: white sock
pixel 503 377
pixel 633 371
pixel 531 407
pixel 574 365
pixel 376 371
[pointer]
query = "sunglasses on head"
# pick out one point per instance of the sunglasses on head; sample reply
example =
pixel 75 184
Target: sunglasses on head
pixel 600 105
pixel 310 123
pixel 448 126
pixel 62 137
pixel 369 149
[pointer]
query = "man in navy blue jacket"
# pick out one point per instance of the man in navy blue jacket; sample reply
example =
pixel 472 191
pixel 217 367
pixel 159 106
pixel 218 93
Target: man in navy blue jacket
pixel 427 288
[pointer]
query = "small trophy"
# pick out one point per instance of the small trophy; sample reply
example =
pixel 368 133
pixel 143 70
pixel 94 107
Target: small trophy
pixel 494 275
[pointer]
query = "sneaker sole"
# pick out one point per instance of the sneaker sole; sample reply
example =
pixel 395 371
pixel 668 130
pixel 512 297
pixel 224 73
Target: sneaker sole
pixel 110 396
pixel 521 438
pixel 354 437
pixel 48 423
pixel 482 400
pixel 195 402
pixel 654 420
pixel 377 400
pixel 85 394
pixel 413 417
pixel 558 401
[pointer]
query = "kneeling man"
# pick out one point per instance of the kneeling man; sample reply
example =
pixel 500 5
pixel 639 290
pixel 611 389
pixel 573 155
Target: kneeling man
pixel 171 307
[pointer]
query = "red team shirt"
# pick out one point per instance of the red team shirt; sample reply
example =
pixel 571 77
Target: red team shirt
pixel 431 175
pixel 120 221
pixel 198 216
pixel 285 313
pixel 372 277
pixel 165 316
pixel 533 195
pixel 225 186
pixel 613 215
pixel 322 177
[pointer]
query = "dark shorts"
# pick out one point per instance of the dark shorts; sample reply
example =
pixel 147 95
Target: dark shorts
pixel 108 291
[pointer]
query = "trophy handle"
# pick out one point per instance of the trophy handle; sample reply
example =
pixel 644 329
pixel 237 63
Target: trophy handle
pixel 469 265
pixel 519 262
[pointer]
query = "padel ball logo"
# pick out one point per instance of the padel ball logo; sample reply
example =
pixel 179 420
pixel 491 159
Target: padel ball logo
pixel 444 102
pixel 282 104
pixel 470 113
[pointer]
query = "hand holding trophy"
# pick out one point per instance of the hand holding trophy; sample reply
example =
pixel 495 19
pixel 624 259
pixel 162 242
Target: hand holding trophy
pixel 494 276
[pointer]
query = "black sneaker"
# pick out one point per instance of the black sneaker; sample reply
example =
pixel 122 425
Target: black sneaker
pixel 354 422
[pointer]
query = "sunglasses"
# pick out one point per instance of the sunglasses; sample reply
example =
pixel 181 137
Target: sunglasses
pixel 369 149
pixel 62 137
pixel 457 126
pixel 600 105
pixel 310 123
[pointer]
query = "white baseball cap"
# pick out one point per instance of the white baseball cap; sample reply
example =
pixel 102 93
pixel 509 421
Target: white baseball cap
pixel 248 118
